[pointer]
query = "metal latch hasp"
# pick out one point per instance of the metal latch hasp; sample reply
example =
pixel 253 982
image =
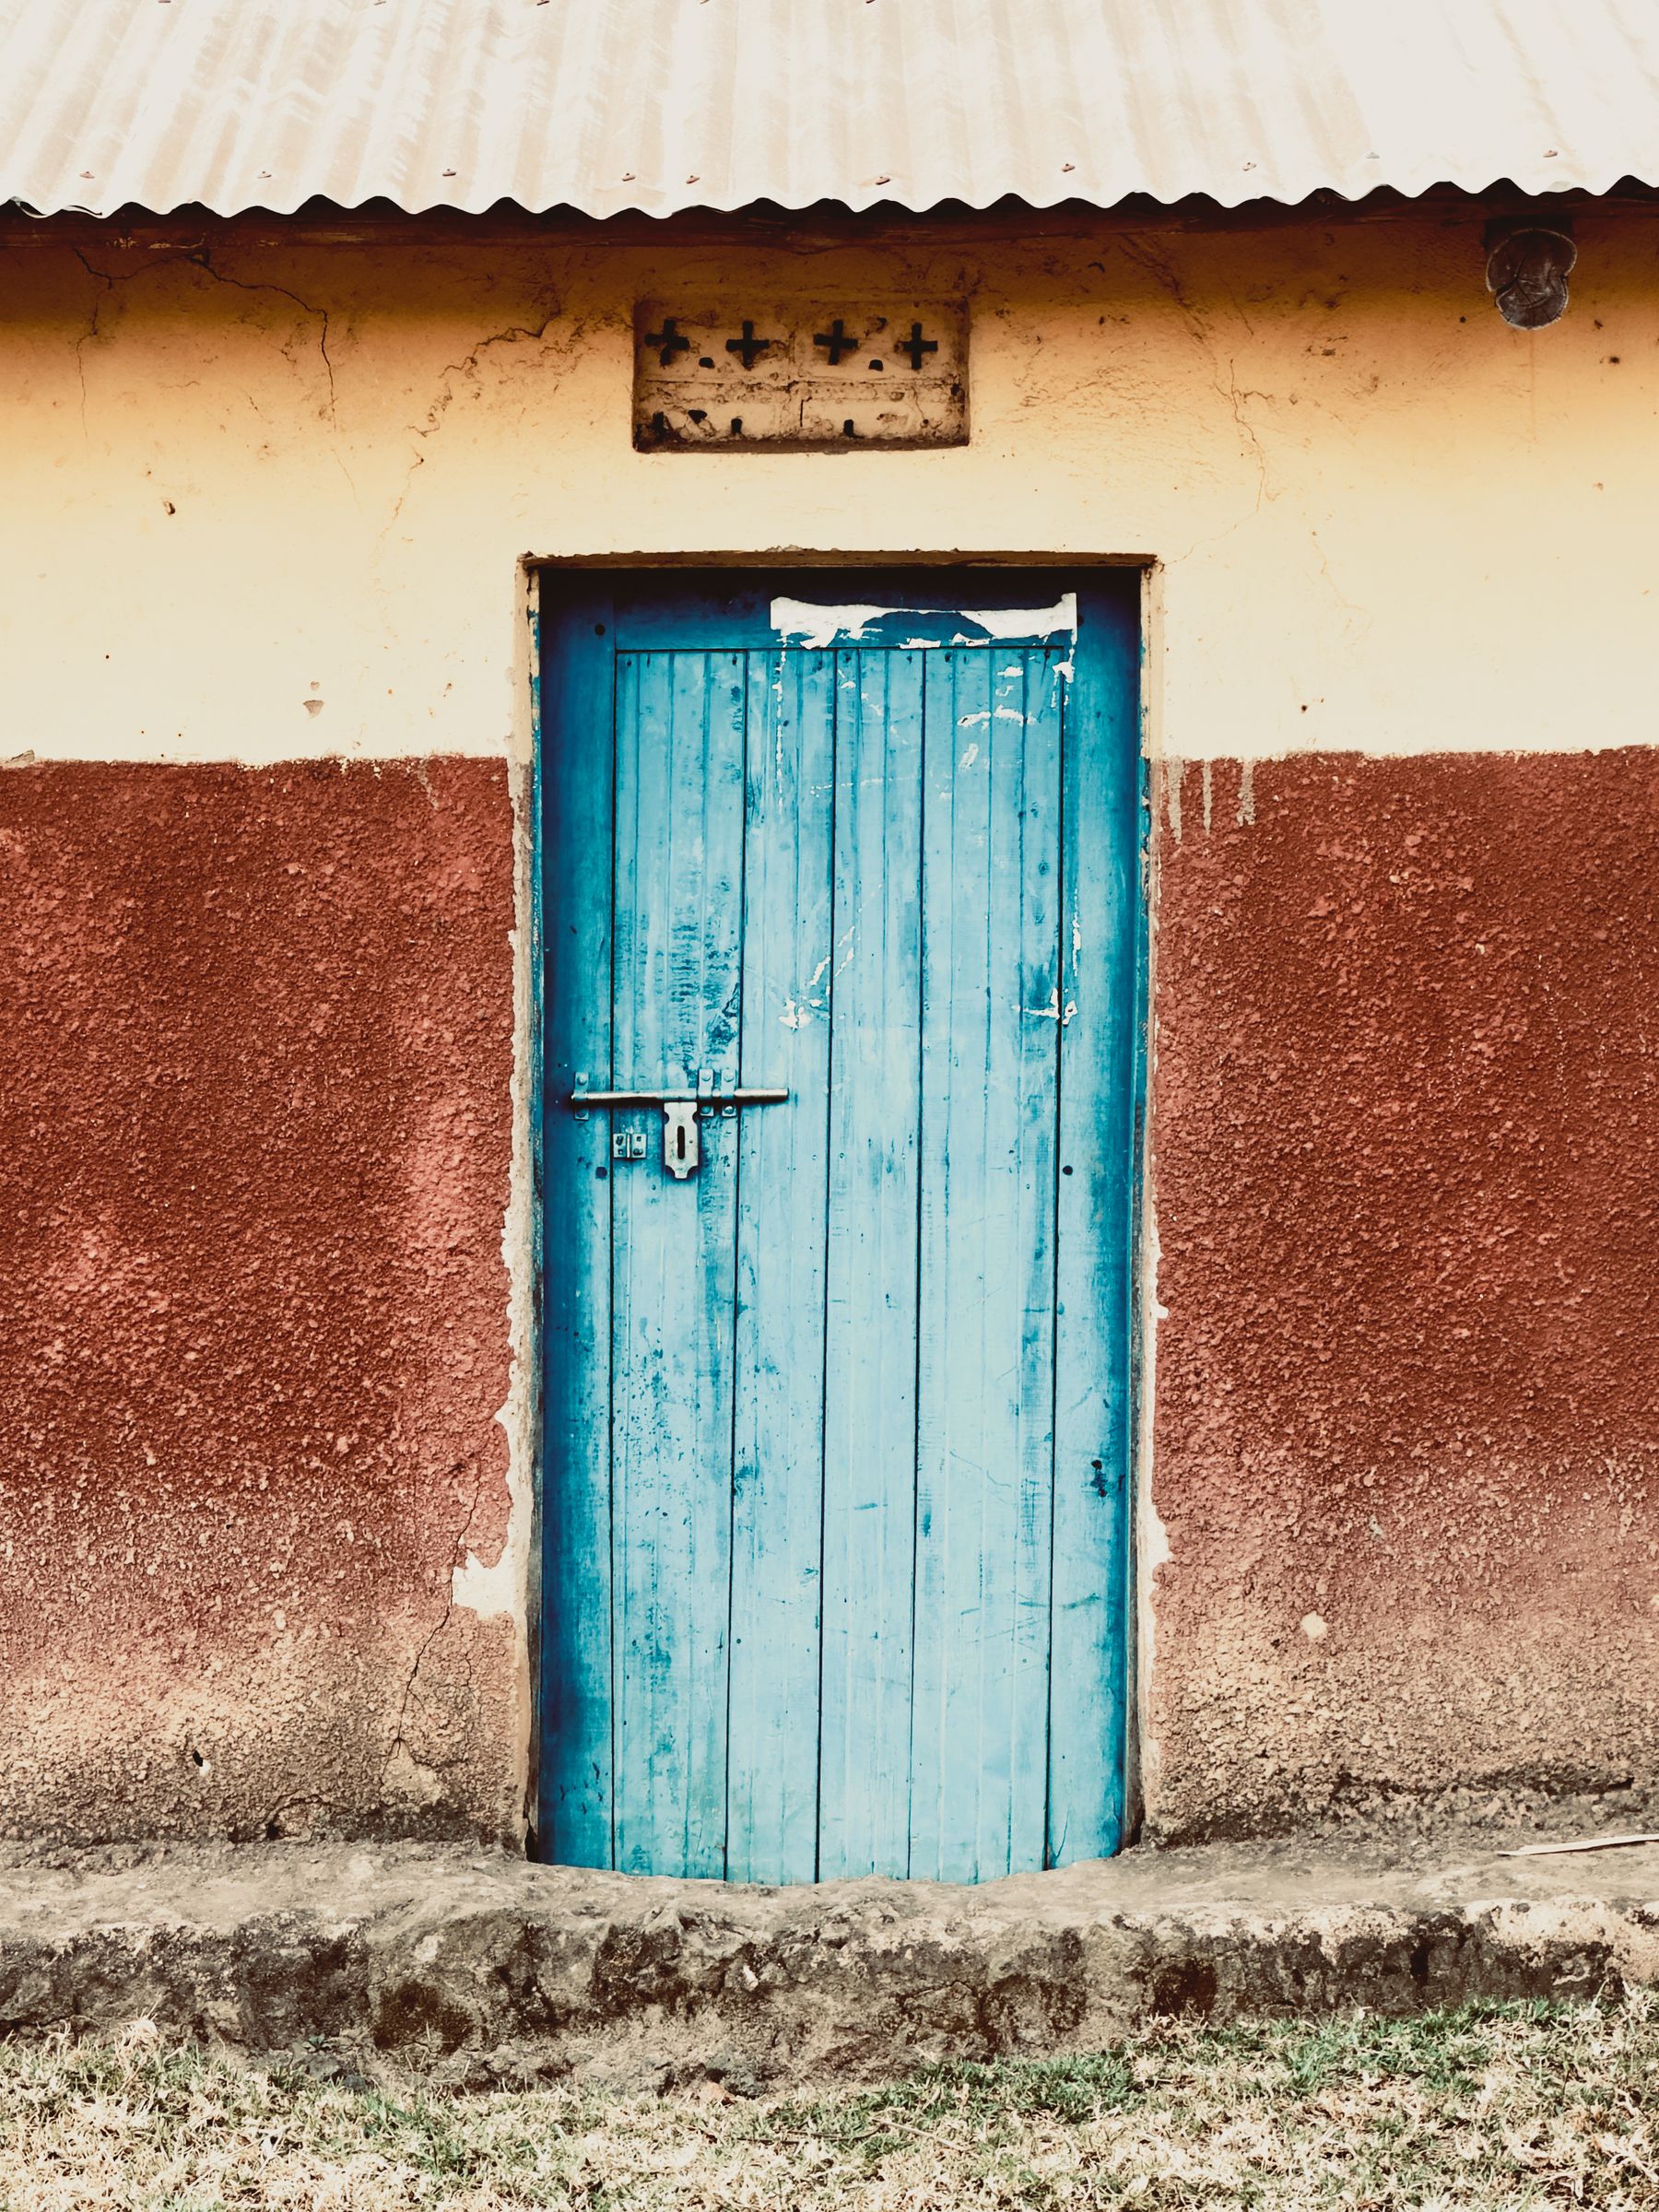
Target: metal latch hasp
pixel 679 1137
pixel 682 1150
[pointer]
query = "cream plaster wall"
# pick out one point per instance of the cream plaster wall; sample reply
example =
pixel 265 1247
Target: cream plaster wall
pixel 267 503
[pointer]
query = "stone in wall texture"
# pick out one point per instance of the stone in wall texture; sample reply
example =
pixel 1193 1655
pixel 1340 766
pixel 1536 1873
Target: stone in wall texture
pixel 255 1147
pixel 1406 1125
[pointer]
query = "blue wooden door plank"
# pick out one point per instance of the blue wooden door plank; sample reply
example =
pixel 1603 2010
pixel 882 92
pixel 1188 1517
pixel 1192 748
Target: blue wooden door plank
pixel 777 1516
pixel 676 987
pixel 870 1327
pixel 990 1061
pixel 575 1780
pixel 1094 1443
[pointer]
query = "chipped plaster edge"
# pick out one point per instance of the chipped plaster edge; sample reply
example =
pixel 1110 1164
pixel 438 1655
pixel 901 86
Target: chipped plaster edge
pixel 505 1589
pixel 1149 1539
pixel 102 749
pixel 1196 749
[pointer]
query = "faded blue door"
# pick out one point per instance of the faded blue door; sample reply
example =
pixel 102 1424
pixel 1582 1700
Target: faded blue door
pixel 837 1408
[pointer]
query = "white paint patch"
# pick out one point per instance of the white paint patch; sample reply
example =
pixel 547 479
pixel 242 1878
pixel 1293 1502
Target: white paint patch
pixel 1024 622
pixel 794 1016
pixel 490 1592
pixel 1054 1011
pixel 970 755
pixel 1315 1629
pixel 818 627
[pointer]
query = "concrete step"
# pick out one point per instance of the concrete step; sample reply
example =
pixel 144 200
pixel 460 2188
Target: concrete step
pixel 481 1967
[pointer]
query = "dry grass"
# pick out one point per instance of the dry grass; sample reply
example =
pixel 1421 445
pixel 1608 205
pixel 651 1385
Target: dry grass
pixel 1511 2106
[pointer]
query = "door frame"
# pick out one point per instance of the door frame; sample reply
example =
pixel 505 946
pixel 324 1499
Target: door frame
pixel 713 565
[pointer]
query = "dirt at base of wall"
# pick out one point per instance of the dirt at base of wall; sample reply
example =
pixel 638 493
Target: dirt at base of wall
pixel 1401 1824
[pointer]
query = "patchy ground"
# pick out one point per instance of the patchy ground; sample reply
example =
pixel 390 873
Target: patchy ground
pixel 1488 2106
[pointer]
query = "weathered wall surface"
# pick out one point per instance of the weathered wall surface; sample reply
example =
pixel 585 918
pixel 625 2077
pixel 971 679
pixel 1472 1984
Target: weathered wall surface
pixel 266 506
pixel 1407 1407
pixel 254 1142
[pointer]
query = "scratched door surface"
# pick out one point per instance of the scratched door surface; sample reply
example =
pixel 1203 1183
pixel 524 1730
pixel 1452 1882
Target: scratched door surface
pixel 837 1424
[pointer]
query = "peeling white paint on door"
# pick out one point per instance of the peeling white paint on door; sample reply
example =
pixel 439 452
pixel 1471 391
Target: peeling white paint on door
pixel 818 627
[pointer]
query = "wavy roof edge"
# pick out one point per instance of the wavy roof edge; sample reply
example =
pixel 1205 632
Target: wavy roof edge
pixel 229 211
pixel 658 107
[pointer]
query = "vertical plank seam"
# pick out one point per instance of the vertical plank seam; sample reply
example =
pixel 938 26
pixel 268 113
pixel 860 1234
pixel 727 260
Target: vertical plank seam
pixel 1025 1211
pixel 910 1778
pixel 610 1245
pixel 994 831
pixel 725 1846
pixel 817 1807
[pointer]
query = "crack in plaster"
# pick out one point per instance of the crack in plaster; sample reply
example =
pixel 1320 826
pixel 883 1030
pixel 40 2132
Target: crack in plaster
pixel 201 261
pixel 1360 613
pixel 468 363
pixel 447 376
pixel 196 257
pixel 400 1737
pixel 1153 263
pixel 1246 429
pixel 90 331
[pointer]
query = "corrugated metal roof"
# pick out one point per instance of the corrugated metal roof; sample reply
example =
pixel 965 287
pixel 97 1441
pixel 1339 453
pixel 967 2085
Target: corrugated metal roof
pixel 606 105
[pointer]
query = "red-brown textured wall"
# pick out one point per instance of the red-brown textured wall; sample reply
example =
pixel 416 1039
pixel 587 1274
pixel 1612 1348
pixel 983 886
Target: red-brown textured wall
pixel 254 1145
pixel 1405 1126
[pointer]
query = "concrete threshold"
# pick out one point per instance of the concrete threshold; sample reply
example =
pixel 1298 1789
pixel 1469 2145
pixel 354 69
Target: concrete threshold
pixel 482 1968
